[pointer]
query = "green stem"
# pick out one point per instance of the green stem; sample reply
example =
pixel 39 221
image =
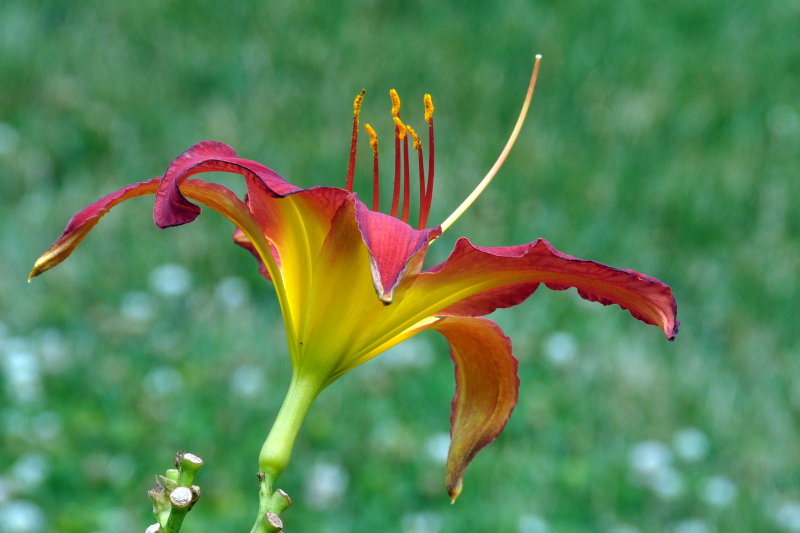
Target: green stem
pixel 277 449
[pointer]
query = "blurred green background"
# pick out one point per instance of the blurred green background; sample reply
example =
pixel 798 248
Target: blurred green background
pixel 664 138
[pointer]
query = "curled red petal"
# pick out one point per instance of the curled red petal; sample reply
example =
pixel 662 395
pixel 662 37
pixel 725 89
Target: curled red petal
pixel 173 209
pixel 84 220
pixel 474 281
pixel 392 244
pixel 487 389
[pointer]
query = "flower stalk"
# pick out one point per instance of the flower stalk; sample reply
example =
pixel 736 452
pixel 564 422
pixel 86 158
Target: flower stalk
pixel 277 448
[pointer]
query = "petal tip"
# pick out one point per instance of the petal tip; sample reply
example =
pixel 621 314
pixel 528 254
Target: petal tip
pixel 49 259
pixel 35 271
pixel 455 491
pixel 674 332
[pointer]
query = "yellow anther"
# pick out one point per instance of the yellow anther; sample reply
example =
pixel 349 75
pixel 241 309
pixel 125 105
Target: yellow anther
pixel 373 137
pixel 414 136
pixel 357 102
pixel 400 128
pixel 395 103
pixel 428 108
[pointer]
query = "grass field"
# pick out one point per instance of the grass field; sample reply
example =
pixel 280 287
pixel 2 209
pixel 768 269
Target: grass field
pixel 664 137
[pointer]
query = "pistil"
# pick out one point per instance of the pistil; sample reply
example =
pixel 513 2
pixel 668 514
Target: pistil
pixel 503 155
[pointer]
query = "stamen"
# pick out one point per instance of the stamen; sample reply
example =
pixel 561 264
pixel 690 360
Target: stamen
pixel 373 143
pixel 351 167
pixel 395 103
pixel 421 165
pixel 396 113
pixel 502 157
pixel 414 137
pixel 425 207
pixel 428 108
pixel 401 128
pixel 401 133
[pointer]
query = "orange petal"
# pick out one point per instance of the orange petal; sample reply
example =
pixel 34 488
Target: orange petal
pixel 486 390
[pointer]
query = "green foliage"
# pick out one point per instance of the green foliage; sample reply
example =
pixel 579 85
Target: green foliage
pixel 664 138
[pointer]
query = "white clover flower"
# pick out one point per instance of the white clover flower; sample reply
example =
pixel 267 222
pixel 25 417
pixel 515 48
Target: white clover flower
pixel 531 523
pixel 667 483
pixel 163 381
pixel 232 292
pixel 425 522
pixel 170 280
pixel 693 525
pixel 624 528
pixel 138 306
pixel 21 516
pixel 22 371
pixel 30 470
pixel 247 381
pixel 648 457
pixel 718 491
pixel 690 444
pixel 788 516
pixel 325 485
pixel 437 447
pixel 560 348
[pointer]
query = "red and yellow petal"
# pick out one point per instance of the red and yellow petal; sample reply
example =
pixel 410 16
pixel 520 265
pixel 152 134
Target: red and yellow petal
pixel 212 195
pixel 475 281
pixel 486 390
pixel 84 220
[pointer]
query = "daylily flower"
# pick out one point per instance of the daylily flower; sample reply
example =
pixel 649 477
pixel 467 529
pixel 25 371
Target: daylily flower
pixel 351 284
